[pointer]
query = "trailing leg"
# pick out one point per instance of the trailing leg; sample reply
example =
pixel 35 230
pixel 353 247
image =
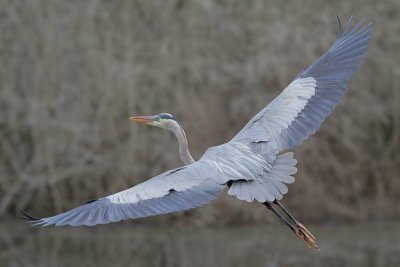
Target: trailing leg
pixel 270 207
pixel 299 229
pixel 302 232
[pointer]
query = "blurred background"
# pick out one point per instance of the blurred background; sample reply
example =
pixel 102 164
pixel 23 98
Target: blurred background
pixel 73 72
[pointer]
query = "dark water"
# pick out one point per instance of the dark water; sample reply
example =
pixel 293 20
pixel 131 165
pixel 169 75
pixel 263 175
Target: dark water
pixel 131 245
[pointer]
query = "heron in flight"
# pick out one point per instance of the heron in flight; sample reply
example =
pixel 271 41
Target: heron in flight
pixel 255 165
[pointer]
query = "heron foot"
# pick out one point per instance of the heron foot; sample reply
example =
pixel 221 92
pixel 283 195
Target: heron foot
pixel 299 229
pixel 304 234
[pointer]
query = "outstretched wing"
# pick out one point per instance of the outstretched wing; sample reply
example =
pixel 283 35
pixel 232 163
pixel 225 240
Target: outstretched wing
pixel 301 108
pixel 175 190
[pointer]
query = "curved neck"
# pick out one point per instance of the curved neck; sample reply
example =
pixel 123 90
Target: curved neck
pixel 183 145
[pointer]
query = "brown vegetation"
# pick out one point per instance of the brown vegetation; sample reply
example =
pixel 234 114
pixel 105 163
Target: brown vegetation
pixel 73 72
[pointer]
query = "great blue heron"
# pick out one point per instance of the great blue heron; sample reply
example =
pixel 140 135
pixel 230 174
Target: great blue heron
pixel 252 164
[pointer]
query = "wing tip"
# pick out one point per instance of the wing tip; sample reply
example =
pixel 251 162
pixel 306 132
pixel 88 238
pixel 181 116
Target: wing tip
pixel 339 25
pixel 24 215
pixel 361 26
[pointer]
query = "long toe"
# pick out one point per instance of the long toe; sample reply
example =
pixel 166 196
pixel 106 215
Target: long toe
pixel 304 234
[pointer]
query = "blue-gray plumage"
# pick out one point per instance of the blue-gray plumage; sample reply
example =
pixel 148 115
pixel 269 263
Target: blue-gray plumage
pixel 252 164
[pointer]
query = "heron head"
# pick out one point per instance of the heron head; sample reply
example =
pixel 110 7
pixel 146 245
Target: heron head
pixel 163 120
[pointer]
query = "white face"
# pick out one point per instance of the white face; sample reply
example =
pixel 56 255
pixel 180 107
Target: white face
pixel 165 120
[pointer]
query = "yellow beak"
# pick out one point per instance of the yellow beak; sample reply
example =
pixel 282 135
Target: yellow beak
pixel 143 119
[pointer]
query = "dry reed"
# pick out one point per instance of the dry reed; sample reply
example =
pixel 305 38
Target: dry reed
pixel 72 73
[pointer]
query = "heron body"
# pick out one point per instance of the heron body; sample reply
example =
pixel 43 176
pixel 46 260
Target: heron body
pixel 254 164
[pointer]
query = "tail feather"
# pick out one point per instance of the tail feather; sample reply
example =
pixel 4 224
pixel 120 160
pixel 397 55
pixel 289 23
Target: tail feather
pixel 270 186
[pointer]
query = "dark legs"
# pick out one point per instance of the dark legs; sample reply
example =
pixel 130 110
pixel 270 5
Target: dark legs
pixel 299 229
pixel 270 207
pixel 286 211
